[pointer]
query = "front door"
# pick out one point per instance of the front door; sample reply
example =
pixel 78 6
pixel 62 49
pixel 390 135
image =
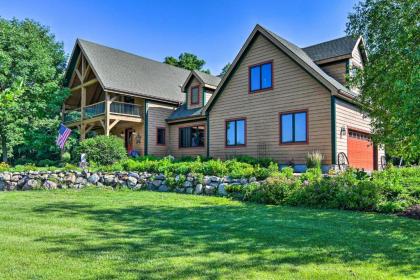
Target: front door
pixel 129 146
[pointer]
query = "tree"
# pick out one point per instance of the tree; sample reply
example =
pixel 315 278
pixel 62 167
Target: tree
pixel 29 54
pixel 390 80
pixel 225 69
pixel 187 61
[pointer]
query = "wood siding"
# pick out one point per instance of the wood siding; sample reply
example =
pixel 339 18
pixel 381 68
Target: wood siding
pixel 174 149
pixel 349 116
pixel 209 93
pixel 157 114
pixel 293 89
pixel 337 70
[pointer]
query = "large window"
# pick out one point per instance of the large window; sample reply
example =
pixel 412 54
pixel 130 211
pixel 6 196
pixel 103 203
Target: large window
pixel 161 136
pixel 195 95
pixel 260 77
pixel 235 133
pixel 294 127
pixel 191 137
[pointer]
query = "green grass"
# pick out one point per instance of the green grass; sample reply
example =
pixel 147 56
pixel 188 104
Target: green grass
pixel 99 234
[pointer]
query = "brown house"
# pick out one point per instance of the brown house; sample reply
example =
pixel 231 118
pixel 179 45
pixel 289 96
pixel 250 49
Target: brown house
pixel 276 100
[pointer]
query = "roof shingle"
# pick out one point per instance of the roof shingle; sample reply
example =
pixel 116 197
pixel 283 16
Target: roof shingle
pixel 334 48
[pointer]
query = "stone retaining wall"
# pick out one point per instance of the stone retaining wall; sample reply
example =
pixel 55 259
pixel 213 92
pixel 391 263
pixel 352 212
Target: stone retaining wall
pixel 33 180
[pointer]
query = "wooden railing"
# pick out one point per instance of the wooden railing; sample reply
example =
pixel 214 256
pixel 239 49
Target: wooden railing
pixel 126 109
pixel 94 110
pixel 97 109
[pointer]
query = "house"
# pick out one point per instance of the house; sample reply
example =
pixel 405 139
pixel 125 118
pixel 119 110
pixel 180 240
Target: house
pixel 277 100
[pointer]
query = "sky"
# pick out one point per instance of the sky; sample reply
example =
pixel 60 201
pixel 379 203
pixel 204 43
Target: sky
pixel 213 30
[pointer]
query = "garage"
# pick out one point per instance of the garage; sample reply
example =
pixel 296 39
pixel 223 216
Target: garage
pixel 360 150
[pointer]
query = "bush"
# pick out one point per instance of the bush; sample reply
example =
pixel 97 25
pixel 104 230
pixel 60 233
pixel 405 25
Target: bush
pixel 103 150
pixel 66 157
pixel 314 159
pixel 4 166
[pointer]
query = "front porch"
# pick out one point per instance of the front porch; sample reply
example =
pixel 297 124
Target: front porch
pixel 95 111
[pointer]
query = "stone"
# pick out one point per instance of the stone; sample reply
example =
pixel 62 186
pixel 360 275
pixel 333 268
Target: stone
pixel 252 180
pixel 21 183
pixel 50 185
pixel 214 179
pixel 190 179
pixel 209 189
pixel 12 186
pixel 179 190
pixel 244 181
pixel 199 189
pixel 157 183
pixel 93 179
pixel 189 190
pixel 131 182
pixel 81 181
pixel 133 174
pixel 221 190
pixel 31 184
pixel 160 177
pixel 2 184
pixel 6 176
pixel 70 178
pixel 15 178
pixel 163 188
pixel 137 187
pixel 109 179
pixel 187 184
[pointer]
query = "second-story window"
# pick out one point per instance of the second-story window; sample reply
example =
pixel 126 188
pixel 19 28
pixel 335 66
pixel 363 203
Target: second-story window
pixel 261 77
pixel 195 95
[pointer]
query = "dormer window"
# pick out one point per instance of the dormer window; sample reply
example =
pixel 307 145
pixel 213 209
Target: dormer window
pixel 261 77
pixel 195 95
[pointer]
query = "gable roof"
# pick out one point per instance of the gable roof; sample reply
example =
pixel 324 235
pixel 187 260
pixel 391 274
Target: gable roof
pixel 295 53
pixel 204 78
pixel 334 48
pixel 124 72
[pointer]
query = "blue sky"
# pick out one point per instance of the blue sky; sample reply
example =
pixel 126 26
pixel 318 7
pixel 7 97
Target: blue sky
pixel 213 30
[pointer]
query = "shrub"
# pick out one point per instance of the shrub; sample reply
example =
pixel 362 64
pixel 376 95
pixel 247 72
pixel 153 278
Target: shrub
pixel 4 166
pixel 66 157
pixel 314 159
pixel 103 150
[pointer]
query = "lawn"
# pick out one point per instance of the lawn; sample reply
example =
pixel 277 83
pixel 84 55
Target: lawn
pixel 102 234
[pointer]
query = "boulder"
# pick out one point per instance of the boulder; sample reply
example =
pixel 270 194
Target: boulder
pixel 187 184
pixel 199 189
pixel 5 176
pixel 109 180
pixel 189 190
pixel 157 183
pixel 221 190
pixel 133 174
pixel 93 179
pixel 160 177
pixel 163 188
pixel 50 185
pixel 252 180
pixel 131 182
pixel 209 189
pixel 31 184
pixel 70 178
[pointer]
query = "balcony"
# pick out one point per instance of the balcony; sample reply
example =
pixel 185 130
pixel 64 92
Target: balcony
pixel 98 109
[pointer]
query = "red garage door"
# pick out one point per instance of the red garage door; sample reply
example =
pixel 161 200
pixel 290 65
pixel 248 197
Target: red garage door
pixel 360 150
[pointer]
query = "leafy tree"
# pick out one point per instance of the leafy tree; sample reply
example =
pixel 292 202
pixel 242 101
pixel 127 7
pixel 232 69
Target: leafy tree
pixel 390 80
pixel 225 69
pixel 187 61
pixel 30 53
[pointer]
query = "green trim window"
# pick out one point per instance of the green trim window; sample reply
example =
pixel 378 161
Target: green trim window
pixel 191 137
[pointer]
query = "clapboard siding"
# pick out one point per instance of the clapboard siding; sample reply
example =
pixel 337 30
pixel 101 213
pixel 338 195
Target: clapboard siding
pixel 174 149
pixel 357 57
pixel 293 89
pixel 336 70
pixel 157 114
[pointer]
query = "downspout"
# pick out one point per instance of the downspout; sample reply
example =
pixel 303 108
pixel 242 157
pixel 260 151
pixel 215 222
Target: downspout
pixel 146 126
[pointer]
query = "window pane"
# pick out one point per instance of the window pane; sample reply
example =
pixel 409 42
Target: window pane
pixel 201 136
pixel 287 128
pixel 266 75
pixel 197 136
pixel 230 133
pixel 300 127
pixel 255 78
pixel 194 95
pixel 240 132
pixel 161 136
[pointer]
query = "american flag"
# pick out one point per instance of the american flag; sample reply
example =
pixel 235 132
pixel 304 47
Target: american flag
pixel 63 135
